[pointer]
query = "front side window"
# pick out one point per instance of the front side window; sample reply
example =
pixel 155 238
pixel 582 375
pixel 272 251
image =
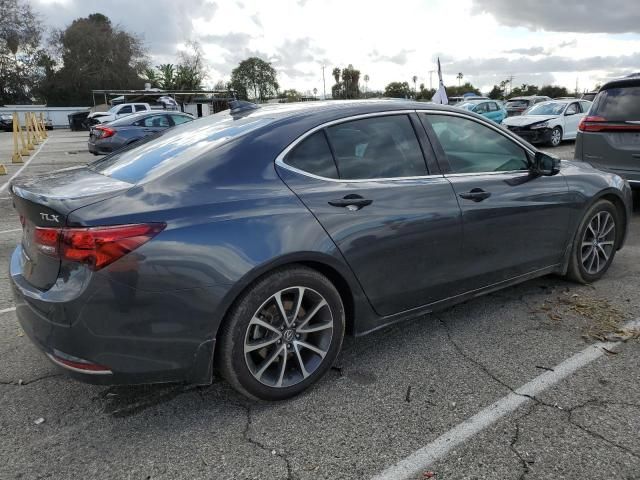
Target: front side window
pixel 493 107
pixel 313 155
pixel 572 109
pixel 474 148
pixel 482 108
pixel 377 147
pixel 125 109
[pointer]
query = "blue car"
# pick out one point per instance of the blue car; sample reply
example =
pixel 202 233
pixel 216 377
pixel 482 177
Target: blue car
pixel 251 241
pixel 491 109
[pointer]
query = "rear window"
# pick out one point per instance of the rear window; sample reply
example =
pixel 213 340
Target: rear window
pixel 161 153
pixel 618 104
pixel 517 104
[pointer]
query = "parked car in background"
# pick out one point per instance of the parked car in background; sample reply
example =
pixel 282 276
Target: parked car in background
pixel 609 137
pixel 110 137
pixel 517 105
pixel 6 122
pixel 117 111
pixel 590 96
pixel 456 100
pixel 549 122
pixel 242 242
pixel 487 108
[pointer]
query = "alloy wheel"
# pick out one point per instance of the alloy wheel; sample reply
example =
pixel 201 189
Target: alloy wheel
pixel 556 137
pixel 288 337
pixel 598 242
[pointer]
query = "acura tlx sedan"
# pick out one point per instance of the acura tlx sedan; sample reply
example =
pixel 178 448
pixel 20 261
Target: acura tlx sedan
pixel 248 242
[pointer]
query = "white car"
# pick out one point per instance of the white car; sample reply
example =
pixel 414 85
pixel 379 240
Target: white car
pixel 549 122
pixel 117 111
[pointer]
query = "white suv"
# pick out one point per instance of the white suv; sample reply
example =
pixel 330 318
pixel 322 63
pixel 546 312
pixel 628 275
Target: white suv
pixel 117 111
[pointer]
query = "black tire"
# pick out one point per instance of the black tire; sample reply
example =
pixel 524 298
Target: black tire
pixel 556 132
pixel 231 359
pixel 577 270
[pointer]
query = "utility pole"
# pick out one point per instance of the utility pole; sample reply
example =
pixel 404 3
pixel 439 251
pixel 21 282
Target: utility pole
pixel 431 72
pixel 324 86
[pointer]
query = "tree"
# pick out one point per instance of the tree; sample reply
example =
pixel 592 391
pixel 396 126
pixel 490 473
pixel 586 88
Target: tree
pixel 496 93
pixel 94 55
pixel 397 90
pixel 459 90
pixel 553 91
pixel 459 77
pixel 291 95
pixel 22 61
pixel 256 77
pixel 191 70
pixel 366 84
pixel 347 83
pixel 524 90
pixel 415 79
pixel 425 93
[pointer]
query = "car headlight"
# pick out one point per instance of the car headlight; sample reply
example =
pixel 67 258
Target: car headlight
pixel 539 125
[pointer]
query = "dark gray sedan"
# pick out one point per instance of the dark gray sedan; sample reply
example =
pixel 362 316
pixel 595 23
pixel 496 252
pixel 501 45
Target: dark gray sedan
pixel 251 241
pixel 109 137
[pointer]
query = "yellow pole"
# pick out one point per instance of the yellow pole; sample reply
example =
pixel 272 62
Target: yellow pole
pixel 24 140
pixel 16 157
pixel 44 128
pixel 27 126
pixel 37 128
pixel 35 135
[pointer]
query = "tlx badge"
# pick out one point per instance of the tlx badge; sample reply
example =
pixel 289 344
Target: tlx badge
pixel 49 217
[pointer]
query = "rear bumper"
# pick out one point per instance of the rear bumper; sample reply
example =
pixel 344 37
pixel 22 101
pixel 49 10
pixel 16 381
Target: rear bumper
pixel 98 148
pixel 141 337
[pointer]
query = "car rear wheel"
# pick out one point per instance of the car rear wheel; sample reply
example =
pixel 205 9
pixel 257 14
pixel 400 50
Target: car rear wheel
pixel 282 334
pixel 556 137
pixel 595 243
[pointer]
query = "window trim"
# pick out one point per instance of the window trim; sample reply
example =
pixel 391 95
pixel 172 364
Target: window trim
pixel 447 171
pixel 279 161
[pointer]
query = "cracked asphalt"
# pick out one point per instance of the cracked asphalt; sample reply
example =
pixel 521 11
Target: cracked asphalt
pixel 389 394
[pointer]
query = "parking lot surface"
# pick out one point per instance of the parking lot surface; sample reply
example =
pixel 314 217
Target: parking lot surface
pixel 390 393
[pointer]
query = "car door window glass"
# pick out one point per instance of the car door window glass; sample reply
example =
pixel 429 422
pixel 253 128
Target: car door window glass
pixel 572 109
pixel 155 121
pixel 585 106
pixel 178 119
pixel 493 107
pixel 313 155
pixel 140 108
pixel 482 108
pixel 378 147
pixel 474 148
pixel 126 109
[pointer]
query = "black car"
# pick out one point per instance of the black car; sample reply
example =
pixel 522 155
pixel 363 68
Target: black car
pixel 6 122
pixel 109 137
pixel 251 241
pixel 609 137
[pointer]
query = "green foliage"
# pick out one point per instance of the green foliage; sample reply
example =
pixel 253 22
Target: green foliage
pixel 459 90
pixel 291 95
pixel 425 94
pixel 554 91
pixel 254 78
pixel 496 93
pixel 524 90
pixel 22 61
pixel 398 90
pixel 94 55
pixel 347 83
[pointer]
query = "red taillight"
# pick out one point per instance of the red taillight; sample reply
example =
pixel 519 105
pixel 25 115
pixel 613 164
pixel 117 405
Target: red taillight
pixel 594 123
pixel 96 247
pixel 105 131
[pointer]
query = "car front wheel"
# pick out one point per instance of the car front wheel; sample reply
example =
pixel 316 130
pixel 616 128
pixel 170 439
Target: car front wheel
pixel 556 137
pixel 282 334
pixel 595 243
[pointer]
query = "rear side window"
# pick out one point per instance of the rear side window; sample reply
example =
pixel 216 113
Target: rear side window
pixel 178 119
pixel 155 121
pixel 618 104
pixel 313 155
pixel 140 108
pixel 378 147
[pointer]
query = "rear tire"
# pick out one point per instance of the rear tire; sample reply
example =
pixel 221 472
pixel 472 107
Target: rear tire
pixel 267 355
pixel 595 243
pixel 556 137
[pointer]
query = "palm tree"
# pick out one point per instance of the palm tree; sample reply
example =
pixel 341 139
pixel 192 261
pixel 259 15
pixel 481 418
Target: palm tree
pixel 415 79
pixel 459 77
pixel 366 84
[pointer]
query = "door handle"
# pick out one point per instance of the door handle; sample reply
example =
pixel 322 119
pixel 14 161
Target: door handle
pixel 475 194
pixel 351 201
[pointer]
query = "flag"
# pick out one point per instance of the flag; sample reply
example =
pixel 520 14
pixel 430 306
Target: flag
pixel 441 94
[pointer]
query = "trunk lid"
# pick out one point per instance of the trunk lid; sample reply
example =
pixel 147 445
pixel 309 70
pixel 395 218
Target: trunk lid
pixel 44 202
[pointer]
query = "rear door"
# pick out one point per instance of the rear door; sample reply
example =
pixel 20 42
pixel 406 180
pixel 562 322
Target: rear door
pixel 154 123
pixel 397 224
pixel 513 223
pixel 610 137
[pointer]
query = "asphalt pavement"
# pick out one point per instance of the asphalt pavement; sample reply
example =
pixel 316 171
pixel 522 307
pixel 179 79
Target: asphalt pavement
pixel 391 394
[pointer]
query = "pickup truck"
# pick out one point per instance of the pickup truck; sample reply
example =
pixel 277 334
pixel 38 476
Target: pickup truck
pixel 117 111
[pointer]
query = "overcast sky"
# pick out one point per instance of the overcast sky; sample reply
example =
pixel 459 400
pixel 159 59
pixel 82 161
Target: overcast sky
pixel 536 41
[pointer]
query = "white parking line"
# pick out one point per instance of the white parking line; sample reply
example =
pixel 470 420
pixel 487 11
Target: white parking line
pixel 11 231
pixel 7 310
pixel 4 185
pixel 417 462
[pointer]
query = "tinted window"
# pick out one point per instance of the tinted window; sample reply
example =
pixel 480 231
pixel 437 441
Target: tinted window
pixel 618 104
pixel 482 108
pixel 178 119
pixel 379 147
pixel 125 109
pixel 493 107
pixel 140 108
pixel 313 155
pixel 155 121
pixel 585 106
pixel 472 148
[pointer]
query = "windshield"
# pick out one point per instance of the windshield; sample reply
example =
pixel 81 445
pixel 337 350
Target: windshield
pixel 467 106
pixel 173 147
pixel 550 108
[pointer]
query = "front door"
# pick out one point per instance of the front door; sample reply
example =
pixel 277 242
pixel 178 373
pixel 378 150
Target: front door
pixel 514 223
pixel 398 227
pixel 572 116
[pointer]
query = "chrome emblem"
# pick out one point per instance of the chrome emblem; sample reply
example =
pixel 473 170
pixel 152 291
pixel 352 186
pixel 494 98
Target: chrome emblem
pixel 50 217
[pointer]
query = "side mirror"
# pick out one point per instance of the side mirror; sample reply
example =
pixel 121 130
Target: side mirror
pixel 545 165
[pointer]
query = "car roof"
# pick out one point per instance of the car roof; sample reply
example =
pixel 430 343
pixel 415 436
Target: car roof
pixel 479 100
pixel 631 81
pixel 147 113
